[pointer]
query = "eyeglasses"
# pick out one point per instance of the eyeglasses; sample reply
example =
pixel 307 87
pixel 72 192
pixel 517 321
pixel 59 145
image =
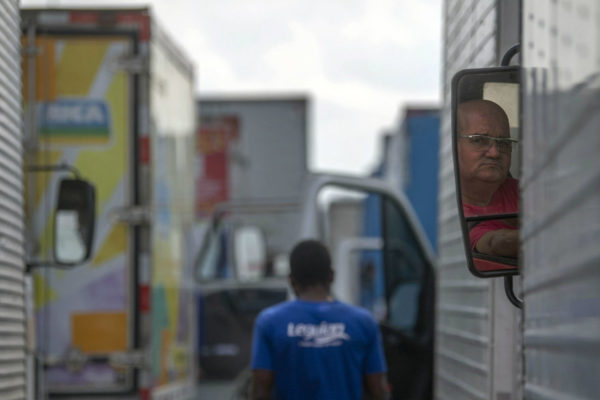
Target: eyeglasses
pixel 484 142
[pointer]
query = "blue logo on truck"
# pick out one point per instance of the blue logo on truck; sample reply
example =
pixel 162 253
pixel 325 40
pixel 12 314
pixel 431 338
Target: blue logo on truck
pixel 75 119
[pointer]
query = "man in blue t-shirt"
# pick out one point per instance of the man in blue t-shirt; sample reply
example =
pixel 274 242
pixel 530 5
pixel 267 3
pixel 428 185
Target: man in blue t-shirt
pixel 315 347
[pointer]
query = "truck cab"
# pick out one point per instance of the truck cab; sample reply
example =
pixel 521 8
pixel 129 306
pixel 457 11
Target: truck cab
pixel 238 275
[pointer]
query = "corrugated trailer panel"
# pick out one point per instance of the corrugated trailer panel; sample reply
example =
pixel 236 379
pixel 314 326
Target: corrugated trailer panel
pixel 12 298
pixel 561 193
pixel 464 324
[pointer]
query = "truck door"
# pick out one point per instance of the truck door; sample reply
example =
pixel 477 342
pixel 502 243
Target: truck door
pixel 407 328
pixel 79 110
pixel 392 273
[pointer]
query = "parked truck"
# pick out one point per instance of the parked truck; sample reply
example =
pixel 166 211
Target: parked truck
pixel 251 159
pixel 108 93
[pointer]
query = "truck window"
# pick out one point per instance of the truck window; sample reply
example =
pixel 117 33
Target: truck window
pixel 404 269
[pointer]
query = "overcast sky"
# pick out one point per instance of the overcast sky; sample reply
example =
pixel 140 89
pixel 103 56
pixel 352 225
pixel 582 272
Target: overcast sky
pixel 360 61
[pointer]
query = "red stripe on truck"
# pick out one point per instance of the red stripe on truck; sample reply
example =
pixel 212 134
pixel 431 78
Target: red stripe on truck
pixel 144 298
pixel 140 19
pixel 83 17
pixel 144 143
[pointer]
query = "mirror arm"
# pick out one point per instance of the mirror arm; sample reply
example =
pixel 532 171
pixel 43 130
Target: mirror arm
pixel 508 289
pixel 54 167
pixel 30 265
pixel 516 48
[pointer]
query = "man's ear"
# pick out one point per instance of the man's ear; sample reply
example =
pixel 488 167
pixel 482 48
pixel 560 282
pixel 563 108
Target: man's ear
pixel 331 276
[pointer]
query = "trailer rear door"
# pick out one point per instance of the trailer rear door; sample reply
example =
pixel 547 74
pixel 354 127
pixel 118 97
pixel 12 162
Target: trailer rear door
pixel 79 104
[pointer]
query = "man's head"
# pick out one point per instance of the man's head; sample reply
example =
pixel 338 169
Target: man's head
pixel 310 265
pixel 477 163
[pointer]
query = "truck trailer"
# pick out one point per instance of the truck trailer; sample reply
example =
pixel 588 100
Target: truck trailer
pixel 251 157
pixel 107 92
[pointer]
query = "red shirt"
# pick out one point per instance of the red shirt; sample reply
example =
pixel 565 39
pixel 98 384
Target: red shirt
pixel 505 200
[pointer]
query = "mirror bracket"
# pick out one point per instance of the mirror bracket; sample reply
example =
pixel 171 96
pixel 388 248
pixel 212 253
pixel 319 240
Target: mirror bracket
pixel 53 167
pixel 30 265
pixel 508 283
pixel 509 290
pixel 509 54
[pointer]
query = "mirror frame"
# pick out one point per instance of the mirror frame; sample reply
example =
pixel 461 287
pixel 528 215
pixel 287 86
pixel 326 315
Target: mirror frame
pixel 87 208
pixel 213 228
pixel 509 270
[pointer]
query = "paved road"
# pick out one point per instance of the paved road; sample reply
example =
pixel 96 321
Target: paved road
pixel 224 390
pixel 216 390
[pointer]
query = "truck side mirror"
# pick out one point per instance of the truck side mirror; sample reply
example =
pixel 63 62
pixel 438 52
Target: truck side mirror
pixel 485 136
pixel 74 221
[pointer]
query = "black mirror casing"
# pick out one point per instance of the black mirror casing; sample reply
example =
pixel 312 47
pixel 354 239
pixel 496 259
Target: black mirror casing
pixel 469 85
pixel 74 222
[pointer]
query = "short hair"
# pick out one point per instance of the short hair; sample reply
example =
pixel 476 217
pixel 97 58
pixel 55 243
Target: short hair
pixel 310 264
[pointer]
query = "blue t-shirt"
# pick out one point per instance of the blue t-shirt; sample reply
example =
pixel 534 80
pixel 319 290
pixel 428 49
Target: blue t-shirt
pixel 317 350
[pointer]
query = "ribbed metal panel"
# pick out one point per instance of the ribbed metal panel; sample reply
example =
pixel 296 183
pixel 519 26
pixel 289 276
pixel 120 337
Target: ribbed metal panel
pixel 12 303
pixel 561 193
pixel 464 324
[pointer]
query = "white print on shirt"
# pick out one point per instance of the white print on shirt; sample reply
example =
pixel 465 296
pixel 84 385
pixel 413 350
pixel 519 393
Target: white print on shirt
pixel 322 335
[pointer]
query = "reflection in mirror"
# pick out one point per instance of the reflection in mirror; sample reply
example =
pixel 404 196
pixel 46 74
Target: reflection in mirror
pixel 250 253
pixel 74 222
pixel 70 247
pixel 486 133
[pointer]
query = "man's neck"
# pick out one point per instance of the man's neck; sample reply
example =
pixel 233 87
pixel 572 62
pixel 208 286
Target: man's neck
pixel 315 293
pixel 478 194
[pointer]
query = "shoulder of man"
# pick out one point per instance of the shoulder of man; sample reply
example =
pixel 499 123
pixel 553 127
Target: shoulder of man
pixel 274 311
pixel 359 312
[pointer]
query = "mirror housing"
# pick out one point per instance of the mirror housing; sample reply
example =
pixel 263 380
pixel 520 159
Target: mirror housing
pixel 74 222
pixel 499 85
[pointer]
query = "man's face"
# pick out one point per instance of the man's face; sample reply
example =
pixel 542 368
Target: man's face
pixel 490 165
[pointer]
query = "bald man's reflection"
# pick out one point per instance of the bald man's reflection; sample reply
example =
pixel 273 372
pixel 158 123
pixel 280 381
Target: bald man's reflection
pixel 484 154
